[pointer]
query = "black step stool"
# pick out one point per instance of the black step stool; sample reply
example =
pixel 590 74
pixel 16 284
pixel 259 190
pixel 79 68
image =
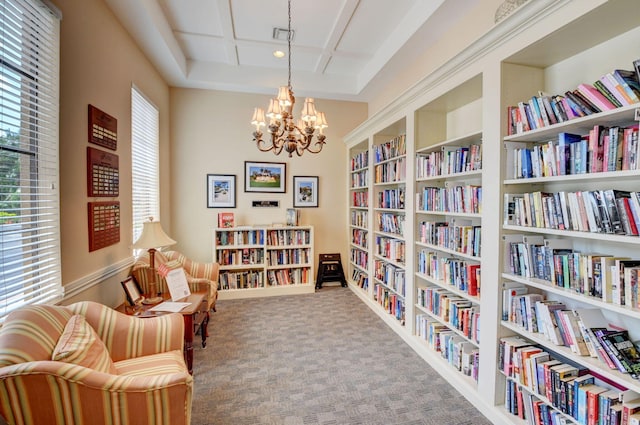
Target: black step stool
pixel 330 270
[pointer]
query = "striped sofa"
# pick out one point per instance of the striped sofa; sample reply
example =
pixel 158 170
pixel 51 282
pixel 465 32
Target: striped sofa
pixel 88 364
pixel 202 277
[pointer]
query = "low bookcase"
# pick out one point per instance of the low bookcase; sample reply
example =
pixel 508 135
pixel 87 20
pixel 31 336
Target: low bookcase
pixel 259 261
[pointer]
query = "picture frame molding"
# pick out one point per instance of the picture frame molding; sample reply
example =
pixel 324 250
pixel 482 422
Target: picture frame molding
pixel 230 179
pixel 315 184
pixel 282 168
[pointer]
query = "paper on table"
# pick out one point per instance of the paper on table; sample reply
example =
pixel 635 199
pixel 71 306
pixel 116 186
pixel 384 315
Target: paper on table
pixel 177 283
pixel 169 306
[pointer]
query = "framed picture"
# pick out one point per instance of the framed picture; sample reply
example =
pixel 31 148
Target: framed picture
pixel 305 191
pixel 221 191
pixel 265 177
pixel 132 291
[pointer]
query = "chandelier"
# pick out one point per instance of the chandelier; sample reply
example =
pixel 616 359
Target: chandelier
pixel 285 133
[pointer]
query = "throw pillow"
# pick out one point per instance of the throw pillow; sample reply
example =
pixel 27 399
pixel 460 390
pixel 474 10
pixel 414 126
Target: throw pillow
pixel 80 344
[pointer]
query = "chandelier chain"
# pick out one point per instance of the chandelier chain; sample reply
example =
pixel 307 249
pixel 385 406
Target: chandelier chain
pixel 289 43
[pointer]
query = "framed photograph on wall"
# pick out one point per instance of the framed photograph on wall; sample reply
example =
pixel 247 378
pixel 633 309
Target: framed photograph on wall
pixel 221 191
pixel 265 177
pixel 305 191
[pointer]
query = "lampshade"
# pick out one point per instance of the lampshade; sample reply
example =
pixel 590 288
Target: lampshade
pixel 152 236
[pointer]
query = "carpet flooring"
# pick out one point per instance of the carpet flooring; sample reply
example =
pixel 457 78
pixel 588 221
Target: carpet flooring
pixel 316 359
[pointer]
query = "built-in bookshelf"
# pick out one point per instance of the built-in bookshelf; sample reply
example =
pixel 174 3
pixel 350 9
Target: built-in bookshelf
pixel 389 155
pixel 493 213
pixel 263 261
pixel 448 227
pixel 360 182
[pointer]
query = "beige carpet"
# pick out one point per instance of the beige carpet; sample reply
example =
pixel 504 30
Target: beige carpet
pixel 322 358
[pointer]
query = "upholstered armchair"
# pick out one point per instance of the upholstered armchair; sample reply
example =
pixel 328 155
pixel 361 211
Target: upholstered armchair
pixel 89 364
pixel 201 277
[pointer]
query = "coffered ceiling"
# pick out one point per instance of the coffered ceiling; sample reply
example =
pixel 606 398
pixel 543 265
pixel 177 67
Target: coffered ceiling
pixel 340 49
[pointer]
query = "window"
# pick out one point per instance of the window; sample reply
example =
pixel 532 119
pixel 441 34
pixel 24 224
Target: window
pixel 30 269
pixel 144 160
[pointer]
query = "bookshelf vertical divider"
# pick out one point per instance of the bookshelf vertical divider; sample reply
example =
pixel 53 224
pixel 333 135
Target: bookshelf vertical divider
pixel 544 47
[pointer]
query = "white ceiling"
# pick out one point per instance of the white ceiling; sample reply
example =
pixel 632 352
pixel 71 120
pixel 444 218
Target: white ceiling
pixel 340 47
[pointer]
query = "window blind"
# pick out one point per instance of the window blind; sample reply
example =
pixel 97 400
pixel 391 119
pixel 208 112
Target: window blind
pixel 144 160
pixel 30 269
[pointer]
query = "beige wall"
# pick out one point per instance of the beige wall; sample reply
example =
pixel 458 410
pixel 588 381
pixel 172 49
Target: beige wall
pixel 211 134
pixel 99 63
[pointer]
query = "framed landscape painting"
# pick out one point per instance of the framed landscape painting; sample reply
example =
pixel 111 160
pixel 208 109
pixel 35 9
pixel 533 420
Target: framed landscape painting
pixel 265 177
pixel 305 191
pixel 221 191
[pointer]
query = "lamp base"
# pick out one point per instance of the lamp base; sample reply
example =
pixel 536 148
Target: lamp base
pixel 152 300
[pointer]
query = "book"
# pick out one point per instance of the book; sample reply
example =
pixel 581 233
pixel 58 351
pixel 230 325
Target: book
pixel 595 97
pixel 630 84
pixel 226 219
pixel 626 351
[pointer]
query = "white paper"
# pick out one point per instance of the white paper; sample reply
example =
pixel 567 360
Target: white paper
pixel 177 283
pixel 169 306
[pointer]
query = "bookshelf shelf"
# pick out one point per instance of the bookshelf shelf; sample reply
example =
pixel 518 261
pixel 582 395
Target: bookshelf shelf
pixel 550 49
pixel 278 261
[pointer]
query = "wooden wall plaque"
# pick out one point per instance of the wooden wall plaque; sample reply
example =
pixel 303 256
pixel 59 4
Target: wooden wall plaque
pixel 103 128
pixel 104 224
pixel 103 174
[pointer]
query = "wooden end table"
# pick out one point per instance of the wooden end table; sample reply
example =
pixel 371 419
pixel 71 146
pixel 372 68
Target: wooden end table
pixel 196 318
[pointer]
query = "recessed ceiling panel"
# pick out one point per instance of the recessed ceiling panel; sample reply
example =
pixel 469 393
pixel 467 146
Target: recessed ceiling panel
pixel 372 23
pixel 198 17
pixel 203 48
pixel 255 55
pixel 312 21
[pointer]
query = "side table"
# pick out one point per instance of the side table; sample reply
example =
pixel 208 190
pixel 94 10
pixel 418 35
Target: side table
pixel 196 318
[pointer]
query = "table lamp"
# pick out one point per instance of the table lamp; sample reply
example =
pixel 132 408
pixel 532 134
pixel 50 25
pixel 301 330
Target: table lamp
pixel 152 237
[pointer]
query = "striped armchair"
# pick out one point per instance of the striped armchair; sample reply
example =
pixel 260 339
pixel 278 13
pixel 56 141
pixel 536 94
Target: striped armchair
pixel 202 277
pixel 89 364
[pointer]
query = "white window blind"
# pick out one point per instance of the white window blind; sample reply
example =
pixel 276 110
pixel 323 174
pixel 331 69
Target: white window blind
pixel 30 269
pixel 144 160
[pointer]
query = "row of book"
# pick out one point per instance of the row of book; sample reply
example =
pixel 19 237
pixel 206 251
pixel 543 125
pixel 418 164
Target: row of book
pixel 613 90
pixel 360 258
pixel 597 211
pixel 457 199
pixel 391 149
pixel 449 160
pixel 604 149
pixel 585 331
pixel 461 274
pixel 538 377
pixel 284 277
pixel 360 161
pixel 390 223
pixel 359 218
pixel 458 235
pixel 459 353
pixel 360 199
pixel 360 179
pixel 390 276
pixel 240 237
pixel 241 279
pixel 390 248
pixel 288 237
pixel 393 171
pixel 229 257
pixel 614 279
pixel 456 312
pixel 288 256
pixel 360 278
pixel 390 301
pixel 359 237
pixel 391 198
